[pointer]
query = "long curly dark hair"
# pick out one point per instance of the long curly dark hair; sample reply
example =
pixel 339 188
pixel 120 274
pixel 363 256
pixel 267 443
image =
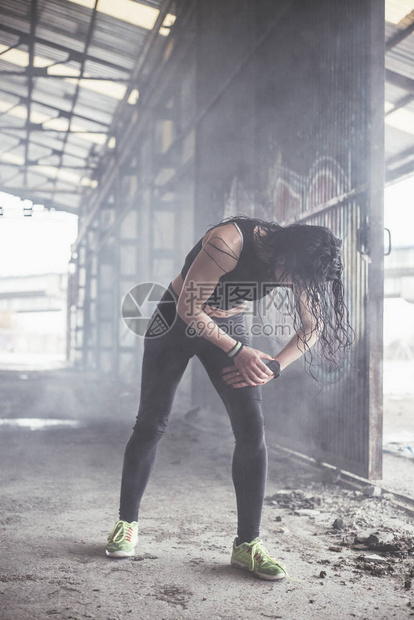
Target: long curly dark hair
pixel 308 259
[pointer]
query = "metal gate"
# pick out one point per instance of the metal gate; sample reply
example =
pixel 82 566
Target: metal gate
pixel 326 148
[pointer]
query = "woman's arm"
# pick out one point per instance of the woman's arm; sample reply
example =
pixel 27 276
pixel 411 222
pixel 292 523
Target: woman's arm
pixel 295 348
pixel 219 254
pixel 292 351
pixel 306 336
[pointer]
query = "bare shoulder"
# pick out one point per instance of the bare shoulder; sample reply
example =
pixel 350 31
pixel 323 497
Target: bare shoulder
pixel 226 234
pixel 220 251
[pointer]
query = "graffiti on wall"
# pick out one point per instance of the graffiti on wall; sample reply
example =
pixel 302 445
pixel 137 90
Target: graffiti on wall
pixel 293 195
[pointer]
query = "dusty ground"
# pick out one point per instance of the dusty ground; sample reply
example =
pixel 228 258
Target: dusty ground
pixel 398 472
pixel 59 500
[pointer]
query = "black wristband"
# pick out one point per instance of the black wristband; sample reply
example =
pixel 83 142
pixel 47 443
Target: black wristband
pixel 274 367
pixel 235 350
pixel 239 350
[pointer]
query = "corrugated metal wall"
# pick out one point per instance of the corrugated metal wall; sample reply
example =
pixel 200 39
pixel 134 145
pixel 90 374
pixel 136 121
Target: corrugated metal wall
pixel 327 146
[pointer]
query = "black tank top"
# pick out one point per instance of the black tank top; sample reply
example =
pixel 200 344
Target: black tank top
pixel 251 279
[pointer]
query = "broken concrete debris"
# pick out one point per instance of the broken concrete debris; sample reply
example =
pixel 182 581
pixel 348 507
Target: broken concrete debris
pixel 357 527
pixel 294 500
pixel 372 491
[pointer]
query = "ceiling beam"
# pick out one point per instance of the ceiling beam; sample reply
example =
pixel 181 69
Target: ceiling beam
pixel 73 54
pixel 140 62
pixel 52 150
pixel 399 36
pixel 18 191
pixel 395 174
pixel 401 103
pixel 33 18
pixel 38 127
pixel 110 174
pixel 42 72
pixel 48 178
pixel 400 158
pixel 36 164
pixel 62 113
pixel 401 81
pixel 88 40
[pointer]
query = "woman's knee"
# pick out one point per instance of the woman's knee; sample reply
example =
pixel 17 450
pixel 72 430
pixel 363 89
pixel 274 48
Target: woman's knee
pixel 148 431
pixel 253 438
pixel 248 425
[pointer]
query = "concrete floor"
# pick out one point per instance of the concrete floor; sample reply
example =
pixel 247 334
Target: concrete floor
pixel 59 500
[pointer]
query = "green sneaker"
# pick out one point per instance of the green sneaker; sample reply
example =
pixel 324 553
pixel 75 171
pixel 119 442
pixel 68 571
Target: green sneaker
pixel 122 540
pixel 254 557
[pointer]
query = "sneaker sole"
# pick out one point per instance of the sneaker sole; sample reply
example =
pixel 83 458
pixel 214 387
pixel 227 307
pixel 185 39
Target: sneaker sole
pixel 119 554
pixel 242 566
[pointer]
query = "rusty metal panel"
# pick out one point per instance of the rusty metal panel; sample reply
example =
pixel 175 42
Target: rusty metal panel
pixel 321 148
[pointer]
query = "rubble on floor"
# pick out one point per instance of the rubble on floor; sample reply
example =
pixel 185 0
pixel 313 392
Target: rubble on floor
pixel 356 521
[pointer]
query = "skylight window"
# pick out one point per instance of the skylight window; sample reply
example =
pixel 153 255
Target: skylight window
pixel 133 97
pixel 166 24
pixel 12 158
pixel 63 175
pixel 39 117
pixel 132 12
pixel 21 58
pixel 126 10
pixel 96 138
pixel 89 4
pixel 48 122
pixel 401 119
pixel 396 10
pixel 62 124
pixel 103 87
pixel 63 69
pixel 135 13
pixel 58 124
pixel 5 106
pixel 20 111
pixel 87 182
pixel 66 176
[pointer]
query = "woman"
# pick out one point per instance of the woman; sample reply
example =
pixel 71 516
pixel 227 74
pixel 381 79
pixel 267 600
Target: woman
pixel 239 260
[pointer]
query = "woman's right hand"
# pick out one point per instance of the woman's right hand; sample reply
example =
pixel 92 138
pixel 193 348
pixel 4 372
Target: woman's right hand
pixel 248 369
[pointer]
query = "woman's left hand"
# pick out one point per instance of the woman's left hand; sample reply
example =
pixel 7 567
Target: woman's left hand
pixel 232 377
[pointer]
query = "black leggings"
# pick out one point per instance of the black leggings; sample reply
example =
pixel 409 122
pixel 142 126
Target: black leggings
pixel 165 360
